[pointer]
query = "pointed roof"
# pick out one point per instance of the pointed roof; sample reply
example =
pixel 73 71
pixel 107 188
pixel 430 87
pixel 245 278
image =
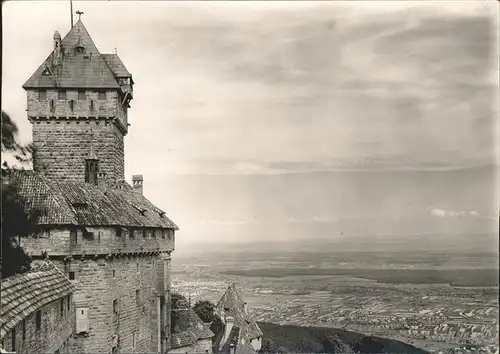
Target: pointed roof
pixel 231 304
pixel 78 70
pixel 116 65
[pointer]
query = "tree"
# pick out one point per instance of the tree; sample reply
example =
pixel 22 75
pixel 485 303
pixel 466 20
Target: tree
pixel 16 220
pixel 205 310
pixel 178 304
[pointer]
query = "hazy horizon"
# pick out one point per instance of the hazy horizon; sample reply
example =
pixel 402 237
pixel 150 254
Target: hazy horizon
pixel 290 120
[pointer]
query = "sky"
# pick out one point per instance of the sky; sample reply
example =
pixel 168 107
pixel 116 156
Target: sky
pixel 294 113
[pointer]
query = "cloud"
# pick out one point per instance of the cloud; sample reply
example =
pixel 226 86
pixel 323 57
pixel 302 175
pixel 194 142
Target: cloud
pixel 452 213
pixel 243 88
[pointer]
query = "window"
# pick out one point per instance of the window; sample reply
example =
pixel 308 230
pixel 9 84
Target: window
pixel 61 95
pixel 82 321
pixel 137 265
pixel 133 339
pixel 71 277
pixel 131 233
pixel 138 297
pixel 71 105
pixel 38 320
pixel 91 104
pixel 163 234
pixel 13 339
pixel 42 95
pixel 81 95
pixel 115 307
pixel 119 232
pixel 52 106
pixel 61 308
pixel 73 238
pixel 101 95
pixel 24 328
pixel 69 297
pixel 114 273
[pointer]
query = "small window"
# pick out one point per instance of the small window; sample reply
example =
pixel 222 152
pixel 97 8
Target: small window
pixel 13 339
pixel 61 308
pixel 115 307
pixel 69 297
pixel 91 104
pixel 82 320
pixel 38 320
pixel 81 95
pixel 52 106
pixel 71 105
pixel 163 234
pixel 119 232
pixel 114 273
pixel 61 95
pixel 138 268
pixel 23 325
pixel 71 277
pixel 73 237
pixel 133 339
pixel 137 297
pixel 42 95
pixel 131 233
pixel 101 95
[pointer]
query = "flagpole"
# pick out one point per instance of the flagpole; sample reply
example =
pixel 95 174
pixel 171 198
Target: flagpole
pixel 71 10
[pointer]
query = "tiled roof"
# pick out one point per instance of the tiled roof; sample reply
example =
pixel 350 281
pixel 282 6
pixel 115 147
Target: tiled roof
pixel 238 337
pixel 80 203
pixel 231 304
pixel 193 329
pixel 26 293
pixel 182 339
pixel 77 70
pixel 116 65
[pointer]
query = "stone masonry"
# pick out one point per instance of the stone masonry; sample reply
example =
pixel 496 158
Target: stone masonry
pixel 108 240
pixel 62 138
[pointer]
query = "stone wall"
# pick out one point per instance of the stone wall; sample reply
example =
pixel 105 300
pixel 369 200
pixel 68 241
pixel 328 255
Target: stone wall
pixel 57 242
pixel 62 137
pixel 107 285
pixel 54 333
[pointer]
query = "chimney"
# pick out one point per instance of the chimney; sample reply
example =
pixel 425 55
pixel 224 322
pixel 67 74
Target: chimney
pixel 227 328
pixel 137 182
pixel 57 59
pixel 101 180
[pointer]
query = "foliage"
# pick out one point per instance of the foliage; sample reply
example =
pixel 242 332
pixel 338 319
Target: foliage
pixel 23 154
pixel 16 220
pixel 178 301
pixel 178 304
pixel 205 310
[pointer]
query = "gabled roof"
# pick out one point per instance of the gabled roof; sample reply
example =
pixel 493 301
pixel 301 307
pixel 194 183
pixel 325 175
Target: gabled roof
pixel 26 293
pixel 231 304
pixel 77 70
pixel 80 203
pixel 192 329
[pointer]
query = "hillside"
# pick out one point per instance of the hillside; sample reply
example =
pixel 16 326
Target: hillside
pixel 296 339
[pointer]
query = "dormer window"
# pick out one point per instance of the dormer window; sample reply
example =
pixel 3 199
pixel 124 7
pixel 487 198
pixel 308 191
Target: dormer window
pixel 79 45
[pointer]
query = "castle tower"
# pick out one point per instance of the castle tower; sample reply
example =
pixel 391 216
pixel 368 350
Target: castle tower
pixel 108 239
pixel 78 89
